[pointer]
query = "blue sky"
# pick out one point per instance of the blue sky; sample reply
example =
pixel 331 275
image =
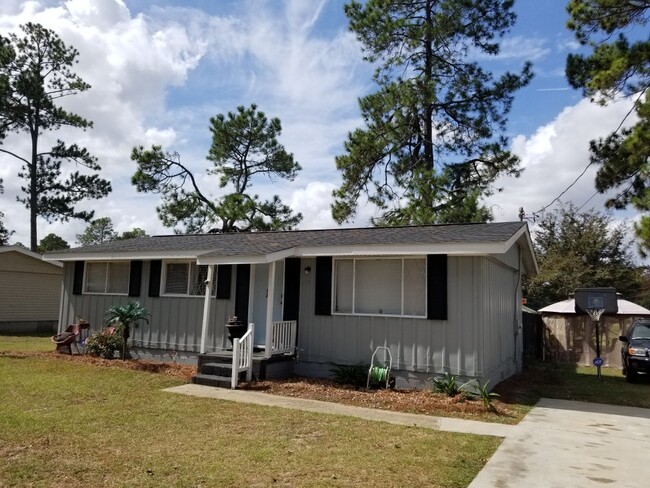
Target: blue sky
pixel 160 70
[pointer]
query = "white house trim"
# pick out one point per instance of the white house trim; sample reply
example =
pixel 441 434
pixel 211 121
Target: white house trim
pixel 206 308
pixel 122 256
pixel 270 295
pixel 212 258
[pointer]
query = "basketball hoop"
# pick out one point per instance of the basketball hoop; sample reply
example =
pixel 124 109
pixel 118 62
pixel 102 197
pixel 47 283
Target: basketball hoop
pixel 595 313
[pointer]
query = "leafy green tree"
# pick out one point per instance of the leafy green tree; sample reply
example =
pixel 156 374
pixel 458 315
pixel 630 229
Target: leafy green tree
pixel 5 234
pixel 132 234
pixel 35 72
pixel 617 68
pixel 97 232
pixel 52 242
pixel 431 143
pixel 581 250
pixel 244 147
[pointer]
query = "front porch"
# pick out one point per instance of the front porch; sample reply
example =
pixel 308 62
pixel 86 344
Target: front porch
pixel 215 369
pixel 244 361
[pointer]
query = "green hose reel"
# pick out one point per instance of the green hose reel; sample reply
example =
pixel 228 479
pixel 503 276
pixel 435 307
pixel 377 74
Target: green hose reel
pixel 380 375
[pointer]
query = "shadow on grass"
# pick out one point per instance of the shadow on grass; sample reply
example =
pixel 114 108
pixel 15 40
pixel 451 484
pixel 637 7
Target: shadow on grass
pixel 570 382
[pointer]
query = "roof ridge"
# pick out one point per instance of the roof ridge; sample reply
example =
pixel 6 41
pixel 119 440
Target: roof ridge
pixel 295 231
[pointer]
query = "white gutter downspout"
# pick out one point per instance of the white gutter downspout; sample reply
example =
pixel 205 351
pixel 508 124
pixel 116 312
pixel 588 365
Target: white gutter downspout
pixel 270 294
pixel 206 308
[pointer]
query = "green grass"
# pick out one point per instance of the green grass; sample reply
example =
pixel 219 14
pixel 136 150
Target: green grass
pixel 66 423
pixel 566 382
pixel 20 343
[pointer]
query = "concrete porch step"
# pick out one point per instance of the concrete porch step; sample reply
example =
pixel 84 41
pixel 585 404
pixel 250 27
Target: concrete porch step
pixel 211 380
pixel 216 369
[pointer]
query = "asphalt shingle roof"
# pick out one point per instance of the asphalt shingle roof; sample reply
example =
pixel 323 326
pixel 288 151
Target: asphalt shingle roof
pixel 267 242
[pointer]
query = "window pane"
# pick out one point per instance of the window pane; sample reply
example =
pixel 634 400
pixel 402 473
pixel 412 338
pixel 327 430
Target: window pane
pixel 414 287
pixel 96 277
pixel 378 286
pixel 176 278
pixel 118 278
pixel 343 284
pixel 197 283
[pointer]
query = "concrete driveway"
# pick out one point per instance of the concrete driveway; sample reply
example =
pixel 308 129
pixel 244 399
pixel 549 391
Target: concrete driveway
pixel 573 444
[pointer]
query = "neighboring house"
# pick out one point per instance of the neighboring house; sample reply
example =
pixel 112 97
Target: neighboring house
pixel 441 297
pixel 571 338
pixel 30 291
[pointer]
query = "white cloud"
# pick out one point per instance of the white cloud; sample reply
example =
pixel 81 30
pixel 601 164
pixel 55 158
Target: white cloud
pixel 259 53
pixel 553 157
pixel 157 77
pixel 518 48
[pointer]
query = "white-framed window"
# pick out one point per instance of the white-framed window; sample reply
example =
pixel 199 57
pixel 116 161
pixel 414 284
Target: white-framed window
pixel 184 279
pixel 380 286
pixel 107 278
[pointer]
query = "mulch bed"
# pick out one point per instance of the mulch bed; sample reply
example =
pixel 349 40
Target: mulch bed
pixel 410 401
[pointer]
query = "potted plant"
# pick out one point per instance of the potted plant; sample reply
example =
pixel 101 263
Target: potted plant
pixel 124 317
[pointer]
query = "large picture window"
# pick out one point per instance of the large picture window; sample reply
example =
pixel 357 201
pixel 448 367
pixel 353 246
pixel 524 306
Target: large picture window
pixel 107 278
pixel 380 286
pixel 184 279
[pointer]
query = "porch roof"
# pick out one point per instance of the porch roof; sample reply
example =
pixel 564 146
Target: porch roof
pixel 255 247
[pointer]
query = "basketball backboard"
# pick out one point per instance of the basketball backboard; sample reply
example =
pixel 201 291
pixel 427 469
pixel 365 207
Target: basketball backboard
pixel 596 298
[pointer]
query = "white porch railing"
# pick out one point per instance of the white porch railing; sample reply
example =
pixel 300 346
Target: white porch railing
pixel 242 356
pixel 283 337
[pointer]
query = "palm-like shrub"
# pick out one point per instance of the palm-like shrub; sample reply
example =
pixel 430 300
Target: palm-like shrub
pixel 123 317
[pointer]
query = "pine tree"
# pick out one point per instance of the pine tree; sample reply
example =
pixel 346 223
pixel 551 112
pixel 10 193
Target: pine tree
pixel 431 147
pixel 617 68
pixel 244 148
pixel 35 72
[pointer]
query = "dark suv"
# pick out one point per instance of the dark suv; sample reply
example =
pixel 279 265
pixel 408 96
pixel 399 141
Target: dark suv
pixel 635 350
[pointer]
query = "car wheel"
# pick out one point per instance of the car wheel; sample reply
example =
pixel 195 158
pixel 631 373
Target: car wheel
pixel 630 375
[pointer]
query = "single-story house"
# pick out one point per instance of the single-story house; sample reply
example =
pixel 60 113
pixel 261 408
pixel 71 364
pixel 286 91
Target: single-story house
pixel 442 298
pixel 30 291
pixel 570 337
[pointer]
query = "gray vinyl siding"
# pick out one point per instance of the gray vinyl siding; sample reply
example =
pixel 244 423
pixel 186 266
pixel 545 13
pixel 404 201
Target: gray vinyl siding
pixel 501 307
pixel 30 289
pixel 476 340
pixel 175 322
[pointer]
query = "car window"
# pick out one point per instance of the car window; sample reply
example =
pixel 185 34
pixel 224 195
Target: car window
pixel 641 331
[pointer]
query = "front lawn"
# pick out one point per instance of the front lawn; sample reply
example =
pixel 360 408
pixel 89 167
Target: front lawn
pixel 72 423
pixel 567 382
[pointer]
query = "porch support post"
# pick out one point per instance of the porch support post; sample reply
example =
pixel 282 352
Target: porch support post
pixel 206 308
pixel 268 340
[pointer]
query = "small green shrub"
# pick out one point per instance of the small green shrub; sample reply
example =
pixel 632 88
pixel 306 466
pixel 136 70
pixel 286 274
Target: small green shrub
pixel 474 389
pixel 350 374
pixel 446 384
pixel 104 344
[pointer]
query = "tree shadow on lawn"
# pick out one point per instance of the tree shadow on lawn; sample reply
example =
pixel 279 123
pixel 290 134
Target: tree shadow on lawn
pixel 570 382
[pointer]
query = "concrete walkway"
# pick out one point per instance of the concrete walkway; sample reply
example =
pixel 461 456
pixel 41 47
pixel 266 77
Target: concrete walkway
pixel 558 444
pixel 399 418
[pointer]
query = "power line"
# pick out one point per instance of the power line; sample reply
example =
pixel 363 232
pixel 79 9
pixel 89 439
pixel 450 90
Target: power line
pixel 641 93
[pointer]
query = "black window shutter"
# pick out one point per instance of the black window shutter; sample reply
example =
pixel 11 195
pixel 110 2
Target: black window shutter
pixel 78 280
pixel 224 278
pixel 135 278
pixel 323 286
pixel 241 291
pixel 155 267
pixel 292 271
pixel 437 286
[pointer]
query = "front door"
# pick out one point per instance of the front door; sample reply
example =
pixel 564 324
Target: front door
pixel 260 291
